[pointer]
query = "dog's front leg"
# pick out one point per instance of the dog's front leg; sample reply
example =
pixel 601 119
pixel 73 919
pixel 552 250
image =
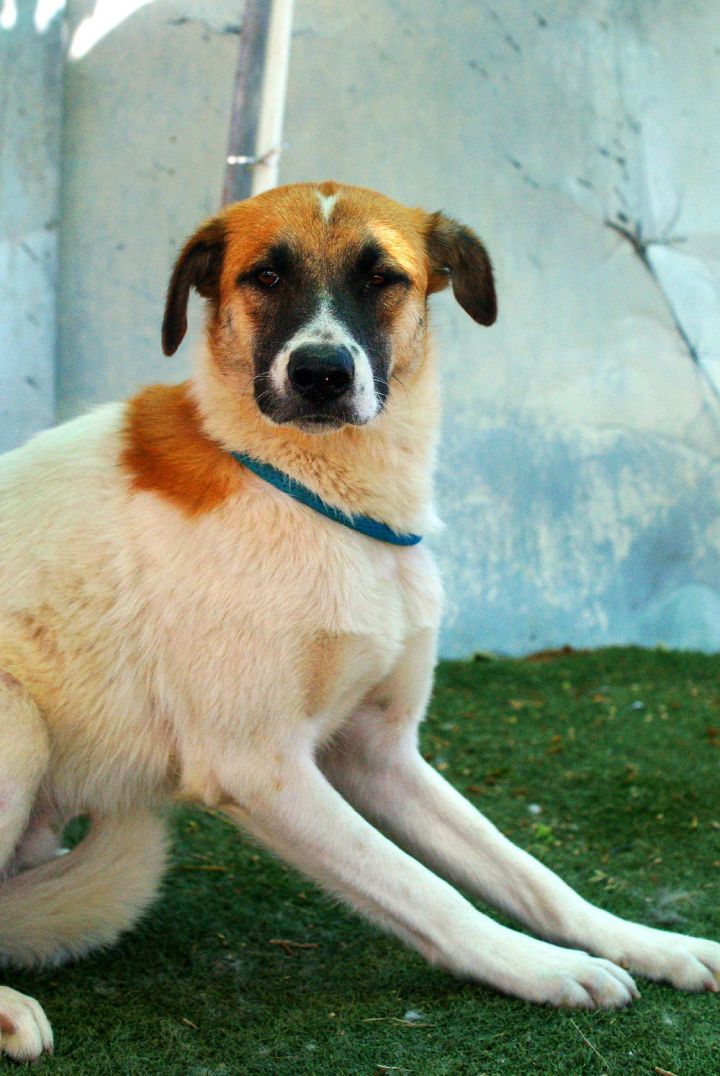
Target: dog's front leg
pixel 376 765
pixel 293 809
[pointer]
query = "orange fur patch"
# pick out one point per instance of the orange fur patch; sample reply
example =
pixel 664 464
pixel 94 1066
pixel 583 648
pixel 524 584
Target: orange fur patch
pixel 293 213
pixel 166 451
pixel 323 661
pixel 33 627
pixel 398 247
pixel 8 680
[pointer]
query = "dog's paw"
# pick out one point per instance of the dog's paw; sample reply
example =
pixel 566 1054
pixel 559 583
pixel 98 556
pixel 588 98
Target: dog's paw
pixel 583 981
pixel 569 978
pixel 25 1033
pixel 684 962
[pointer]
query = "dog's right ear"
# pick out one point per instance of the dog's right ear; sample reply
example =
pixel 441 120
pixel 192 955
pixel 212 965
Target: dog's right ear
pixel 457 257
pixel 199 266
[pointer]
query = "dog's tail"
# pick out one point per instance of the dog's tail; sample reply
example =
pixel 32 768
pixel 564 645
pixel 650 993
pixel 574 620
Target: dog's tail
pixel 84 899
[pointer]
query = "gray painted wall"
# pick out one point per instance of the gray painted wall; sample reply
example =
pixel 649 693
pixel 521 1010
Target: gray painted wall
pixel 147 115
pixel 30 125
pixel 579 476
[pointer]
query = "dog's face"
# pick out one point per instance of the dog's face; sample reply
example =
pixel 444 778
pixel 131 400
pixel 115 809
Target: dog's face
pixel 318 296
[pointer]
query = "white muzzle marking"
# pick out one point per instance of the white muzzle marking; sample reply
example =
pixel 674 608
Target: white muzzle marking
pixel 324 328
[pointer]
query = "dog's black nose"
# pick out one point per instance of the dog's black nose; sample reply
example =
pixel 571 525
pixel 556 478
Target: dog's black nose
pixel 321 372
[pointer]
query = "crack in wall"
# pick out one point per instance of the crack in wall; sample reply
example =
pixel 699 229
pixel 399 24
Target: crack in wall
pixel 641 245
pixel 231 29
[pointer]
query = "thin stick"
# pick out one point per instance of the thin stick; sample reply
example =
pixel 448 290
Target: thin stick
pixel 290 946
pixel 587 1040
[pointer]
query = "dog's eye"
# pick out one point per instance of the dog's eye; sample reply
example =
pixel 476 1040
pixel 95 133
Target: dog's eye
pixel 376 280
pixel 268 278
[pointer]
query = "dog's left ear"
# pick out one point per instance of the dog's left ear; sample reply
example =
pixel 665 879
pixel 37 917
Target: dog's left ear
pixel 199 266
pixel 458 257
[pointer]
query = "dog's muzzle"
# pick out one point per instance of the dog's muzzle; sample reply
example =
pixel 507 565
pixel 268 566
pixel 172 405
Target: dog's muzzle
pixel 321 373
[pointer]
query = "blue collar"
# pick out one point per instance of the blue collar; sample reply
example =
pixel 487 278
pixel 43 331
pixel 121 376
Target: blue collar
pixel 373 528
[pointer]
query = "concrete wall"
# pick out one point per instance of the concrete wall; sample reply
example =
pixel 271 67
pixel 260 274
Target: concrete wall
pixel 30 125
pixel 147 114
pixel 579 471
pixel 579 474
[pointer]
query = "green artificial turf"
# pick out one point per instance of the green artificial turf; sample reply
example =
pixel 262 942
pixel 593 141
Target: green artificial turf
pixel 620 749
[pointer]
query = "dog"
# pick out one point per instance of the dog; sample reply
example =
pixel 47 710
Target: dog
pixel 216 593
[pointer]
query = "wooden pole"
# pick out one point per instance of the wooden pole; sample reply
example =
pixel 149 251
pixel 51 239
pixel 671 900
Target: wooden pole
pixel 258 104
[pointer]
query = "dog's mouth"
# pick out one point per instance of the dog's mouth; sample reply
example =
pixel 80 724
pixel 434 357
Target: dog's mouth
pixel 318 423
pixel 314 418
pixel 320 420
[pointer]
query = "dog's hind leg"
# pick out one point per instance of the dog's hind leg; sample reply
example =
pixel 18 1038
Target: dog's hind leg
pixel 23 761
pixel 24 1029
pixel 70 904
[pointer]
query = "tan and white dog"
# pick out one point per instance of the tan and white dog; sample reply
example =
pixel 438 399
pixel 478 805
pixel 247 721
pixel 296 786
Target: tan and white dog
pixel 173 627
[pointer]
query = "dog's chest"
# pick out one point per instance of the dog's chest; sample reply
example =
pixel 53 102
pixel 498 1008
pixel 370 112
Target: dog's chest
pixel 300 615
pixel 387 607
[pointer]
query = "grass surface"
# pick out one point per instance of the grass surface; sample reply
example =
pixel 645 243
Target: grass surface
pixel 620 749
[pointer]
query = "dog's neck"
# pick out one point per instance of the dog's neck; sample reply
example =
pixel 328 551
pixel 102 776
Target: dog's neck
pixel 383 470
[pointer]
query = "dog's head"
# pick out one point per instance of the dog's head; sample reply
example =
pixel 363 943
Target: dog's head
pixel 318 295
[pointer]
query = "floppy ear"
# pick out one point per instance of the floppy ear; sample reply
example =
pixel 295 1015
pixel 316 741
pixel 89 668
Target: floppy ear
pixel 457 256
pixel 199 267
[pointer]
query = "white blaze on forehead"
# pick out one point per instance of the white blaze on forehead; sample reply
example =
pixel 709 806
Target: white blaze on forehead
pixel 327 204
pixel 324 328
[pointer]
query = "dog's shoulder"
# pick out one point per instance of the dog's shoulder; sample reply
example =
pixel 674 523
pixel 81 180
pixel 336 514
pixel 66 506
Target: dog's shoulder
pixel 72 463
pixel 166 451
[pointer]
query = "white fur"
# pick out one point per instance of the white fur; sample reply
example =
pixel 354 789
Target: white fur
pixel 31 1034
pixel 327 204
